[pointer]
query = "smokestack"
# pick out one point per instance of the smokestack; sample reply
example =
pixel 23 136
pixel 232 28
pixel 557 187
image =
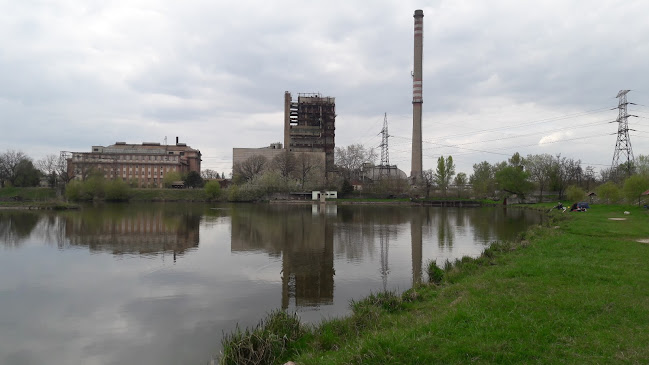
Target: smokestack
pixel 417 100
pixel 176 140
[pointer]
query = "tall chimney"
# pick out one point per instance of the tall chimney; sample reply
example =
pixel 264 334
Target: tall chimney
pixel 416 169
pixel 176 140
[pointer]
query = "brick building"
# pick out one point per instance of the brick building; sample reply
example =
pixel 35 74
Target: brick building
pixel 146 163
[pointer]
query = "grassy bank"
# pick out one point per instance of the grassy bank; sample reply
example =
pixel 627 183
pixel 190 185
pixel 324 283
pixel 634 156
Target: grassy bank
pixel 30 194
pixel 32 198
pixel 576 291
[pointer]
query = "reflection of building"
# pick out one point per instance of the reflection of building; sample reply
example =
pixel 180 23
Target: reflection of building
pixel 307 253
pixel 148 232
pixel 147 164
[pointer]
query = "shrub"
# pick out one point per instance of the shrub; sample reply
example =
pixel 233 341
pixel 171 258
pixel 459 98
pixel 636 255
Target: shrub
pixel 116 190
pixel 73 190
pixel 575 193
pixel 435 273
pixel 633 188
pixel 609 192
pixel 213 189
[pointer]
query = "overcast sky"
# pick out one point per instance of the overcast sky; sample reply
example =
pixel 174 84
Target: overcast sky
pixel 499 76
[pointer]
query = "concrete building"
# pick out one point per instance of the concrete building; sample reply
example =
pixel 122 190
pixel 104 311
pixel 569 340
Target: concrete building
pixel 314 161
pixel 146 163
pixel 239 155
pixel 371 172
pixel 310 125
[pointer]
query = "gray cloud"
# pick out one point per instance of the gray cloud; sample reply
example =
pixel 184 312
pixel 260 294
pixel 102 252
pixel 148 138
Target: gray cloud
pixel 75 74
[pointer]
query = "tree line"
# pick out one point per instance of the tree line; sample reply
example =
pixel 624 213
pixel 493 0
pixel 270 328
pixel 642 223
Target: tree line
pixel 533 176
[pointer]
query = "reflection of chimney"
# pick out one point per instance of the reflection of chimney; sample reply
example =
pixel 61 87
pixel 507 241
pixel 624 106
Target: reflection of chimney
pixel 417 100
pixel 416 247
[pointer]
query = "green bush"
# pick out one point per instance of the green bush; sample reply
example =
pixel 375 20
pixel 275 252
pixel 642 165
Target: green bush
pixel 575 193
pixel 213 189
pixel 116 190
pixel 435 273
pixel 609 192
pixel 73 190
pixel 634 186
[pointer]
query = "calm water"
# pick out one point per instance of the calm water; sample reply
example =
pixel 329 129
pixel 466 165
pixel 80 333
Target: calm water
pixel 160 283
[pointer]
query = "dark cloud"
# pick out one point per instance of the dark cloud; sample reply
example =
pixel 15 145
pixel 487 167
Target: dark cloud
pixel 74 75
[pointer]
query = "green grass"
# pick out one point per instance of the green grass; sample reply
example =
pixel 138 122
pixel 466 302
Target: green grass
pixel 34 194
pixel 575 291
pixel 168 195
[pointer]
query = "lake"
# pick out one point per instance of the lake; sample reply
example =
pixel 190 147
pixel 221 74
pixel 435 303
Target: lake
pixel 160 283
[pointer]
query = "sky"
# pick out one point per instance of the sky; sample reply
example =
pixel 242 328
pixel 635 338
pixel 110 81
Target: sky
pixel 499 77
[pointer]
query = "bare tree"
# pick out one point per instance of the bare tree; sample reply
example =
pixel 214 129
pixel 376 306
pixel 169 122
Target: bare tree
pixel 48 166
pixel 62 169
pixel 350 159
pixel 428 178
pixel 9 162
pixel 249 168
pixel 306 165
pixel 284 163
pixel 210 174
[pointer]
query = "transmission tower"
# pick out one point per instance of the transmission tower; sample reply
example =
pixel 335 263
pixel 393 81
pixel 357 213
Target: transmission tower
pixel 385 154
pixel 623 152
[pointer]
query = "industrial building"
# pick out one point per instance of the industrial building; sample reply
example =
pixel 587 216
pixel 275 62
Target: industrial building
pixel 145 164
pixel 310 125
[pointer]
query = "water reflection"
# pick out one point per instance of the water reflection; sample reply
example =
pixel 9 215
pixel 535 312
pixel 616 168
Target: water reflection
pixel 93 286
pixel 16 226
pixel 145 231
pixel 303 237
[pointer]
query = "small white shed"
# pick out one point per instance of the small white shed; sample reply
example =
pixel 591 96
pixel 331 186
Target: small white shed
pixel 322 195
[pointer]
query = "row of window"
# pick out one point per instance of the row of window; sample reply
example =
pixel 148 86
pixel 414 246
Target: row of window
pixel 127 157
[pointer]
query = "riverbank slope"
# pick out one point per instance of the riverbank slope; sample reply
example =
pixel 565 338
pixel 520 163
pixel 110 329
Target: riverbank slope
pixel 573 292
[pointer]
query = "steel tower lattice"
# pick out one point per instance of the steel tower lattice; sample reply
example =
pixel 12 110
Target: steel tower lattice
pixel 623 151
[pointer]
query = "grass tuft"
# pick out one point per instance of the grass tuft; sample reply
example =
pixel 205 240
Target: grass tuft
pixel 265 343
pixel 435 273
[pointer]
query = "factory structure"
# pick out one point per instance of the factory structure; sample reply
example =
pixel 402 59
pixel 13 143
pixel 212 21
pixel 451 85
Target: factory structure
pixel 310 125
pixel 309 129
pixel 145 164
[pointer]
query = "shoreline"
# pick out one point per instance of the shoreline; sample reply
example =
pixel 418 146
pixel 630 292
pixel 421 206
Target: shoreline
pixel 578 276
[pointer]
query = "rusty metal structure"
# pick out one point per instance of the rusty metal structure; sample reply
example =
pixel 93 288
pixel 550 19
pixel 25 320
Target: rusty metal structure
pixel 310 125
